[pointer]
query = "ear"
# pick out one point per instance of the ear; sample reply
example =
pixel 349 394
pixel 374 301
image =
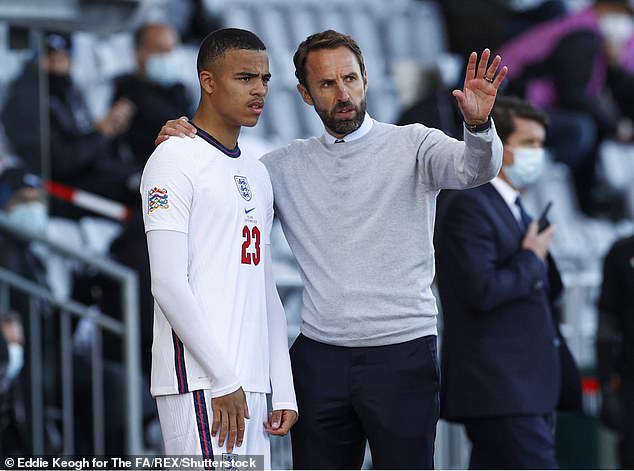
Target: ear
pixel 365 81
pixel 207 82
pixel 507 157
pixel 303 91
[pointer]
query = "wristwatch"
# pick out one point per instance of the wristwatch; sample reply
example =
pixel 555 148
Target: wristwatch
pixel 475 128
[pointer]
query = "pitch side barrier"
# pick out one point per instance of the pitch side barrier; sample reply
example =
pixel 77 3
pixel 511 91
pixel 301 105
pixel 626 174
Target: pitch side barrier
pixel 66 311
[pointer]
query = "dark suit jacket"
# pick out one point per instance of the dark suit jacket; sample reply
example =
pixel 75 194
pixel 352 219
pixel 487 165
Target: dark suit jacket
pixel 501 344
pixel 154 104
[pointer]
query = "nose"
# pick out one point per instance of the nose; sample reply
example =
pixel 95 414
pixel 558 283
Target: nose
pixel 342 92
pixel 260 88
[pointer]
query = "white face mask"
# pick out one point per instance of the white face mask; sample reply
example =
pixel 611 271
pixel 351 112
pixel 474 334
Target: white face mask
pixel 16 360
pixel 528 163
pixel 166 69
pixel 616 27
pixel 31 216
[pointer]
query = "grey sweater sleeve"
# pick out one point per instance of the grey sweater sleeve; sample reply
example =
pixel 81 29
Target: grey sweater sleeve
pixel 446 163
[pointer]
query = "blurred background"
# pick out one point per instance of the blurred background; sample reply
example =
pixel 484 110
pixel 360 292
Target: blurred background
pixel 85 86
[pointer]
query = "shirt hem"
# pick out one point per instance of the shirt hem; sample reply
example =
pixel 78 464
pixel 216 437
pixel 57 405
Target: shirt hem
pixel 284 406
pixel 170 390
pixel 149 228
pixel 375 342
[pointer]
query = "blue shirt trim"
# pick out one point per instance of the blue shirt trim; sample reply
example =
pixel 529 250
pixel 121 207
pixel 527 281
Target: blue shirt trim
pixel 233 153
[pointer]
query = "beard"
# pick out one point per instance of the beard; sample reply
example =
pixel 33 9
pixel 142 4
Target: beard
pixel 343 126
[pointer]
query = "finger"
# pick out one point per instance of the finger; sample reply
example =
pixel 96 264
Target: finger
pixel 484 60
pixel 288 419
pixel 500 77
pixel 216 413
pixel 286 424
pixel 224 427
pixel 532 229
pixel 549 232
pixel 240 428
pixel 233 432
pixel 460 98
pixel 492 69
pixel 283 430
pixel 160 139
pixel 471 66
pixel 273 431
pixel 276 432
pixel 275 419
pixel 171 130
pixel 246 409
pixel 178 127
pixel 190 128
pixel 459 94
pixel 183 127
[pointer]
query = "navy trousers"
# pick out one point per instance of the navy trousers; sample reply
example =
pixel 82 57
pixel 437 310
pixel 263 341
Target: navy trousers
pixel 388 395
pixel 512 442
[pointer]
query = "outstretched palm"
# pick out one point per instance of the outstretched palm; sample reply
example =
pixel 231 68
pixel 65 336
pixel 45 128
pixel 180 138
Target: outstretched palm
pixel 480 88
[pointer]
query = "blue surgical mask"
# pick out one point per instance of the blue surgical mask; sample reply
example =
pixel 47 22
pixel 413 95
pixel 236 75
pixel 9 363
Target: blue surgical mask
pixel 528 165
pixel 616 27
pixel 165 69
pixel 16 360
pixel 31 217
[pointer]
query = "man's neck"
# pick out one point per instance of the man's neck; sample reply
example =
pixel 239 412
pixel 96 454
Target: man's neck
pixel 506 180
pixel 217 128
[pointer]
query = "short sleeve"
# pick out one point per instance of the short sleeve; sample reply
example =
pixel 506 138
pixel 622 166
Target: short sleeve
pixel 167 190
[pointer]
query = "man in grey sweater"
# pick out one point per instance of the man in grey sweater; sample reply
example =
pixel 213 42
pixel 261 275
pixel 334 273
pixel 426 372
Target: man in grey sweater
pixel 357 206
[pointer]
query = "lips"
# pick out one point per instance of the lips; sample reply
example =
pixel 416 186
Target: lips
pixel 256 106
pixel 345 112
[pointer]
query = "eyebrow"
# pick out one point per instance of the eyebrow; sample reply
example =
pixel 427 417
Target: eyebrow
pixel 251 74
pixel 350 74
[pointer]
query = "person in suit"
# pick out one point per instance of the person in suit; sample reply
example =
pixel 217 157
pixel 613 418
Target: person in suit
pixel 502 359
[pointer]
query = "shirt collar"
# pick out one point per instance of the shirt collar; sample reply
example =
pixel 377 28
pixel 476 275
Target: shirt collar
pixel 507 192
pixel 354 135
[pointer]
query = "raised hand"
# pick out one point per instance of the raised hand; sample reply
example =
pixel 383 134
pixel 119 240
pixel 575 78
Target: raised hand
pixel 481 85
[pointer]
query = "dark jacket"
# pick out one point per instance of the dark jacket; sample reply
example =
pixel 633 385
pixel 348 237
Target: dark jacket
pixel 501 343
pixel 79 155
pixel 155 104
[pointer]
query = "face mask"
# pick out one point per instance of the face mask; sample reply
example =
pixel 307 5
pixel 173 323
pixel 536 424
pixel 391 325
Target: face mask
pixel 16 360
pixel 165 69
pixel 616 27
pixel 527 166
pixel 31 217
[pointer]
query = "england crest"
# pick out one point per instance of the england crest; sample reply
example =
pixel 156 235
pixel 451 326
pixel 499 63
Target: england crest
pixel 243 187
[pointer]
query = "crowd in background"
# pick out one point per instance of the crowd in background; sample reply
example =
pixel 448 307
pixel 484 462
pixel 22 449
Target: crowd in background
pixel 575 64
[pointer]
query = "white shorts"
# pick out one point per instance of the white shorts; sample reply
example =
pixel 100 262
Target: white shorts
pixel 186 427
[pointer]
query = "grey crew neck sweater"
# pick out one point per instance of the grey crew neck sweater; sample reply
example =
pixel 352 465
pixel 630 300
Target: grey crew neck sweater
pixel 359 218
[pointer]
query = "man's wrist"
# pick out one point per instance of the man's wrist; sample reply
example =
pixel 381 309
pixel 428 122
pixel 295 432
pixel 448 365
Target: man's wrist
pixel 481 127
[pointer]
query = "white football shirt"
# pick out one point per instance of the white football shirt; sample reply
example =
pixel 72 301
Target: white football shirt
pixel 223 201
